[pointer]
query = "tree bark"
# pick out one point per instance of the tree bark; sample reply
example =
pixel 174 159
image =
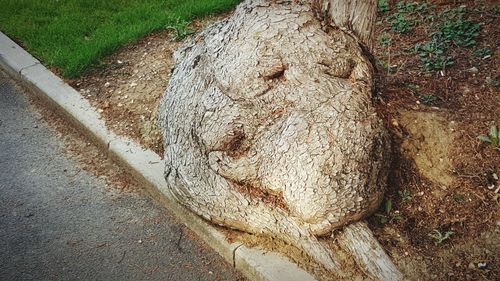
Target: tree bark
pixel 356 16
pixel 269 126
pixel 358 240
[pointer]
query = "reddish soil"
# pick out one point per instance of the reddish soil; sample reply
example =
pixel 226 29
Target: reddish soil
pixel 450 175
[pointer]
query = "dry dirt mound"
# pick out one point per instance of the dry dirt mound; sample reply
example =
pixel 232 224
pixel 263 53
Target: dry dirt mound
pixel 430 136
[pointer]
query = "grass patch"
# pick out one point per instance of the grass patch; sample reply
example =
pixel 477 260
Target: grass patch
pixel 73 35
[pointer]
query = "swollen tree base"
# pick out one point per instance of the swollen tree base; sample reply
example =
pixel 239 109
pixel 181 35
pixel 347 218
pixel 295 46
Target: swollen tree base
pixel 269 128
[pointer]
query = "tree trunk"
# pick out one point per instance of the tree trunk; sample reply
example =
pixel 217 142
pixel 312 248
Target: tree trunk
pixel 356 16
pixel 269 126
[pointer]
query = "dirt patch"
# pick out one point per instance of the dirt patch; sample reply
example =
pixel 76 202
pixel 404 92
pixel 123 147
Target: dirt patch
pixel 442 179
pixel 127 88
pixel 428 139
pixel 462 261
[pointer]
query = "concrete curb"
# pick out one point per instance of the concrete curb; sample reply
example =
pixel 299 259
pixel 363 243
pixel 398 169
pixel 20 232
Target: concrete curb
pixel 145 165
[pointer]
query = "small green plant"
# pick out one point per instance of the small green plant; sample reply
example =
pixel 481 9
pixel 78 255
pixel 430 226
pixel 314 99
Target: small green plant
pixel 457 29
pixel 180 30
pixel 414 88
pixel 411 7
pixel 429 17
pixel 493 82
pixel 381 62
pixel 385 39
pixel 482 52
pixel 388 215
pixel 400 23
pixel 432 55
pixel 440 237
pixel 453 28
pixel 496 9
pixel 458 197
pixel 385 65
pixel 461 32
pixel 388 206
pixel 428 98
pixel 405 195
pixel 407 7
pixel 492 138
pixel 383 6
pixel 406 16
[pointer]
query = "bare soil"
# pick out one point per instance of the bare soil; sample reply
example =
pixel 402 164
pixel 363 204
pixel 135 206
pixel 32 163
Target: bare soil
pixel 449 176
pixel 127 88
pixel 442 177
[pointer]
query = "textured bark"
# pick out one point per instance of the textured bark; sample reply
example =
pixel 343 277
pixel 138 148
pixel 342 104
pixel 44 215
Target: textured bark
pixel 356 16
pixel 269 126
pixel 360 242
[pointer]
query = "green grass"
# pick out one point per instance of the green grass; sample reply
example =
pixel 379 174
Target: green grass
pixel 73 35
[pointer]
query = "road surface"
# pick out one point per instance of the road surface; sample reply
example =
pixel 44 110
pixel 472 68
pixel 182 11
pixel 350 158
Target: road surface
pixel 58 222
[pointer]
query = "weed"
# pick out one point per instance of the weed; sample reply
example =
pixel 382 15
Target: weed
pixel 410 7
pixel 180 30
pixel 400 23
pixel 493 82
pixel 458 197
pixel 483 52
pixel 496 9
pixel 461 32
pixel 432 54
pixel 405 195
pixel 492 138
pixel 403 6
pixel 439 237
pixel 422 8
pixel 454 28
pixel 383 64
pixel 385 39
pixel 383 6
pixel 425 98
pixel 453 13
pixel 404 19
pixel 413 87
pixel 457 29
pixel 428 98
pixel 388 206
pixel 388 215
pixel 430 17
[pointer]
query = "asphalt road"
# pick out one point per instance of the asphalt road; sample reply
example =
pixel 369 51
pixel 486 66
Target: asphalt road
pixel 58 222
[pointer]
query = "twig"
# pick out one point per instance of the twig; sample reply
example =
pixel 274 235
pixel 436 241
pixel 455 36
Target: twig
pixel 234 254
pixel 123 256
pixel 179 240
